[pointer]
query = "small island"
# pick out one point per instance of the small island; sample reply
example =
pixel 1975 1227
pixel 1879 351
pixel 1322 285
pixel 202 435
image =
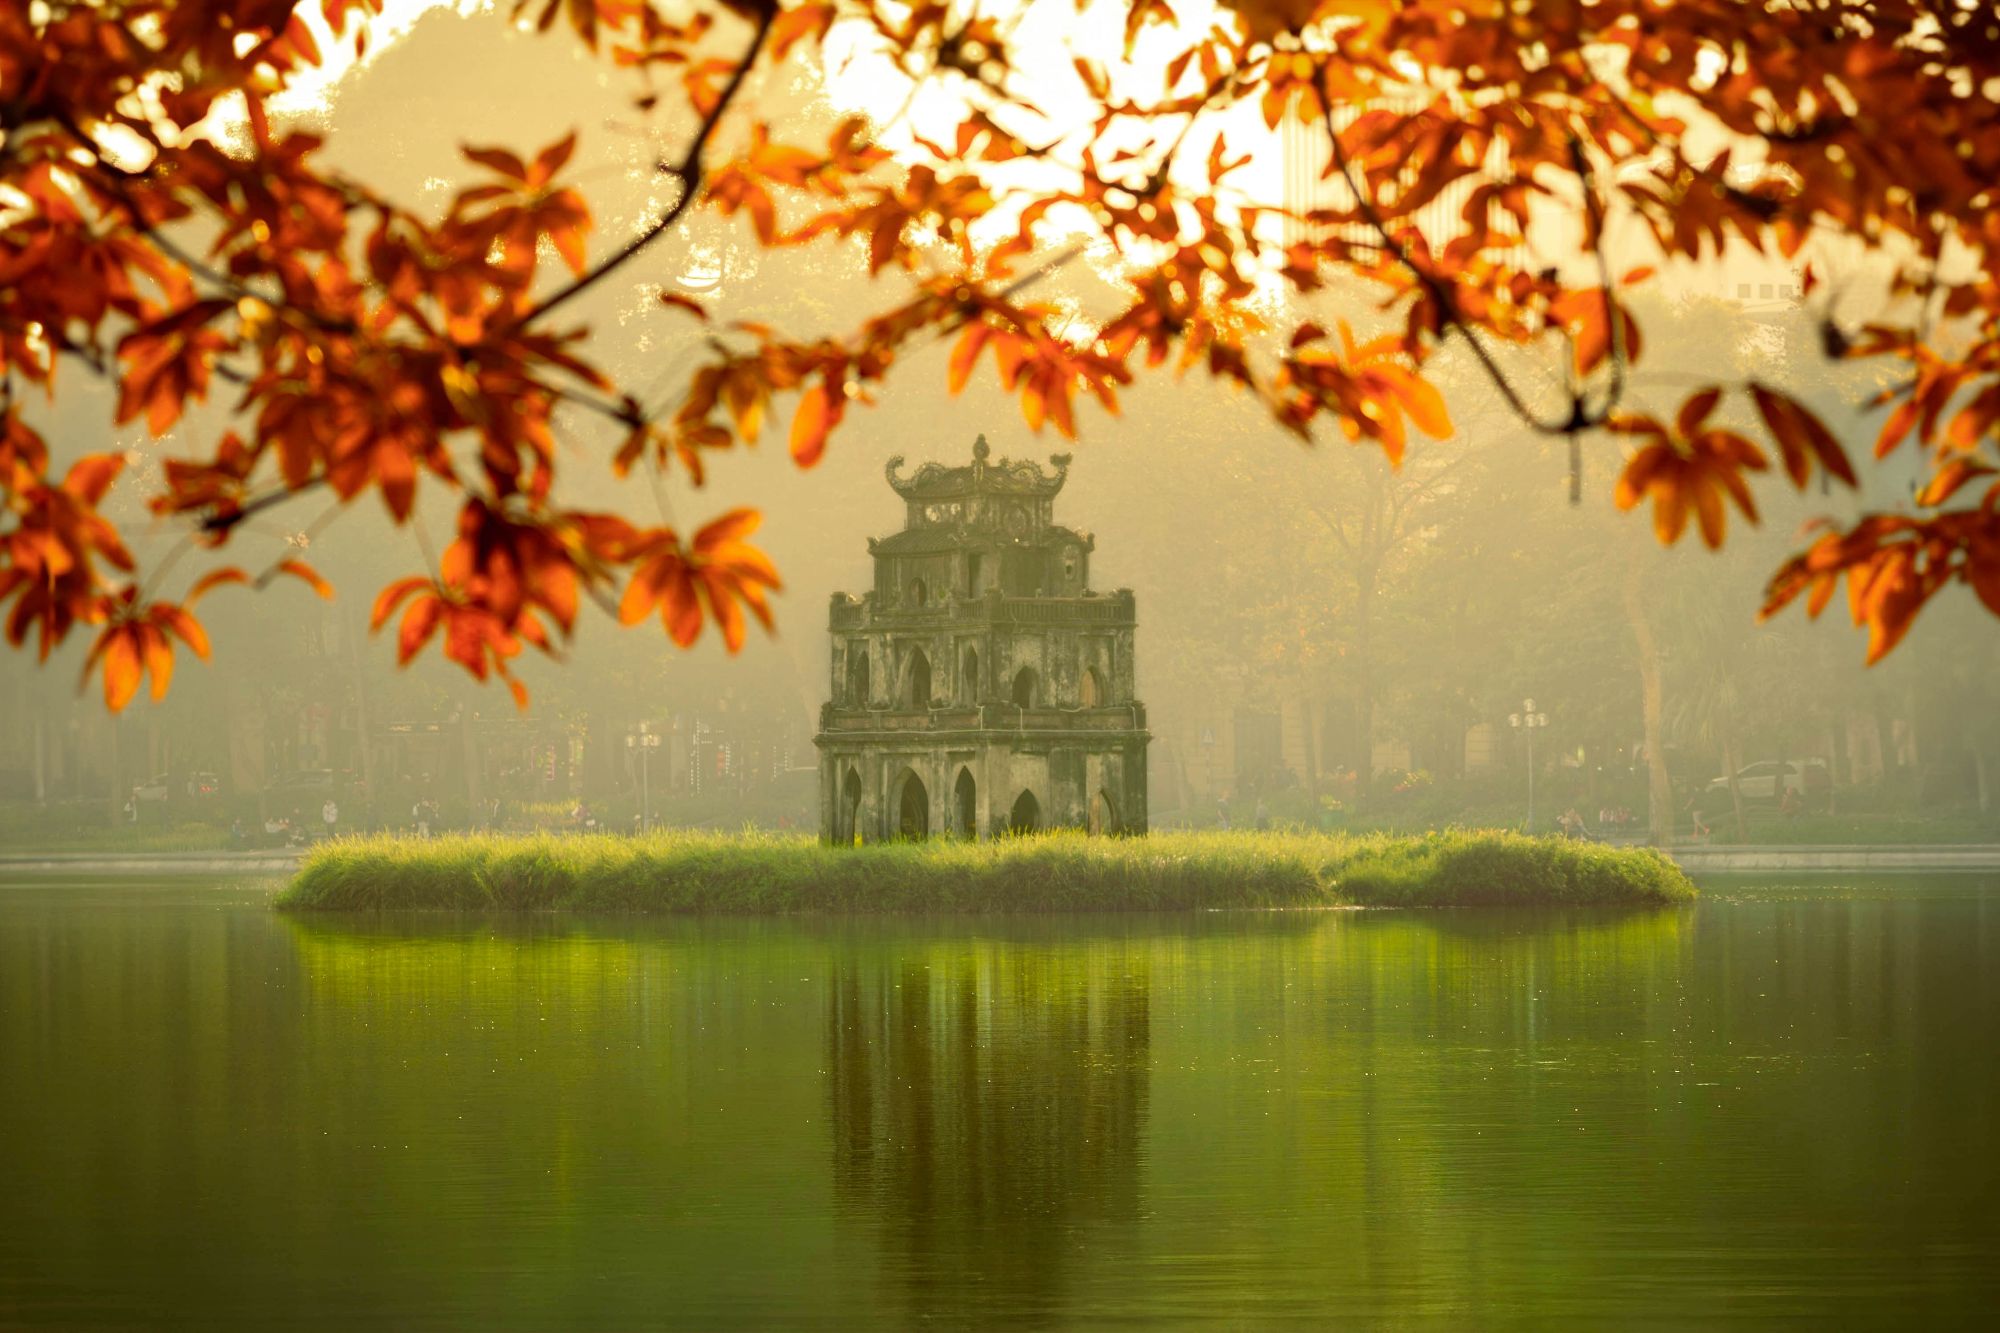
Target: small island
pixel 688 872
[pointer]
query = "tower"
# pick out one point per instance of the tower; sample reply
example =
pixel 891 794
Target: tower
pixel 982 687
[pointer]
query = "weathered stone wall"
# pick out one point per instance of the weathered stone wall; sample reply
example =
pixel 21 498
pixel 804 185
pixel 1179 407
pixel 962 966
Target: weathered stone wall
pixel 1063 775
pixel 980 586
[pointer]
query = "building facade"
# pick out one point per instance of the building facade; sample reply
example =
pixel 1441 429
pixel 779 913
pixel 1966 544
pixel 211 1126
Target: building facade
pixel 981 687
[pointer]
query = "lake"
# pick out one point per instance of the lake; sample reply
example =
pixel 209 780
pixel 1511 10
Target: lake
pixel 1782 1102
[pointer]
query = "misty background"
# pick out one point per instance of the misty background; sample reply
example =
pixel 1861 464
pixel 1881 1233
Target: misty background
pixel 1337 639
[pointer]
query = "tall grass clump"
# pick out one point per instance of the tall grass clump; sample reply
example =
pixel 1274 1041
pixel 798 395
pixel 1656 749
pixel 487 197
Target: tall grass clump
pixel 705 872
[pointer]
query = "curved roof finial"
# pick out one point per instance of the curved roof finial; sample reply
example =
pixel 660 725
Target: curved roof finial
pixel 980 449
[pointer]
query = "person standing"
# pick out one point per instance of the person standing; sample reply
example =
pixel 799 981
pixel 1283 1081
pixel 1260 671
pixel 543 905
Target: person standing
pixel 329 815
pixel 1263 816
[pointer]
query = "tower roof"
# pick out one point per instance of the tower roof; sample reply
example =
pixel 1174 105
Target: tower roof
pixel 935 481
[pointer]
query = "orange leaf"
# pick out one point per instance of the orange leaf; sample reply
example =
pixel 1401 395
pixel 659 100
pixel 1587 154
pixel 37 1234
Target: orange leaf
pixel 965 354
pixel 215 578
pixel 1896 427
pixel 299 569
pixel 390 597
pixel 1696 409
pixel 1425 405
pixel 810 424
pixel 1801 437
pixel 121 667
pixel 91 476
pixel 419 623
pixel 687 303
pixel 730 528
pixel 189 629
pixel 158 656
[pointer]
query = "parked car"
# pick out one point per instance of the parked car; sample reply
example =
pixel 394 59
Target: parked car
pixel 1768 779
pixel 202 785
pixel 156 788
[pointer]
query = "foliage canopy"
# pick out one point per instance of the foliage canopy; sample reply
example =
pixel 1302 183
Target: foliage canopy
pixel 1489 166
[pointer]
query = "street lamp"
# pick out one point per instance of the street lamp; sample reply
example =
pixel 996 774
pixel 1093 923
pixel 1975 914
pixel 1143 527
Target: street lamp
pixel 1530 721
pixel 645 741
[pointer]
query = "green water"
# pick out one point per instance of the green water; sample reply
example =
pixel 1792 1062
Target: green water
pixel 1782 1103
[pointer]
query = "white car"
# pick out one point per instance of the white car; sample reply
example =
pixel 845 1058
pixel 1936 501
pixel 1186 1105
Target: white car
pixel 1764 781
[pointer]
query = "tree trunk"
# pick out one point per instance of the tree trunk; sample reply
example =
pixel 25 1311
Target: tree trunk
pixel 117 767
pixel 350 633
pixel 469 741
pixel 1364 694
pixel 1659 787
pixel 1308 719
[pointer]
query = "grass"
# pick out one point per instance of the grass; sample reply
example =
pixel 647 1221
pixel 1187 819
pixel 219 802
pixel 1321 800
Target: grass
pixel 703 872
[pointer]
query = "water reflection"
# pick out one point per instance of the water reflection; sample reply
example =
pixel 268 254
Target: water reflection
pixel 1764 1105
pixel 988 1105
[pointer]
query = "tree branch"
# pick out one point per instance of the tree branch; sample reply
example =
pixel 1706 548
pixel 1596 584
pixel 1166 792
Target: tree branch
pixel 1577 419
pixel 689 173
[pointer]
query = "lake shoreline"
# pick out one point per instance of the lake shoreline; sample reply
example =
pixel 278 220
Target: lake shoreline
pixel 692 873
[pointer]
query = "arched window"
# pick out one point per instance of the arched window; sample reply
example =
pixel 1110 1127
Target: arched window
pixel 965 805
pixel 847 828
pixel 857 675
pixel 1024 688
pixel 919 695
pixel 1103 814
pixel 916 592
pixel 970 680
pixel 1090 690
pixel 913 807
pixel 975 570
pixel 1027 814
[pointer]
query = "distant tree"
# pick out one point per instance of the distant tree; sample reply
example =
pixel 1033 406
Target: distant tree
pixel 160 230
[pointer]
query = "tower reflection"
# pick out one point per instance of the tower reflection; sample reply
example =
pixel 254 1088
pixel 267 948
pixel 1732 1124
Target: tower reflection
pixel 988 1103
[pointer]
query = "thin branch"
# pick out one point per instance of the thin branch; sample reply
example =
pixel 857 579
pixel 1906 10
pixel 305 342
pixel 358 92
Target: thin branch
pixel 689 173
pixel 1577 419
pixel 223 522
pixel 1593 209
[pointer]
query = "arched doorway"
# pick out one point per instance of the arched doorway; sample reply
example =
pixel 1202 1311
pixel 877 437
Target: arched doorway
pixel 920 680
pixel 1026 816
pixel 847 826
pixel 918 593
pixel 1103 814
pixel 970 679
pixel 1090 690
pixel 913 807
pixel 1024 688
pixel 857 675
pixel 965 805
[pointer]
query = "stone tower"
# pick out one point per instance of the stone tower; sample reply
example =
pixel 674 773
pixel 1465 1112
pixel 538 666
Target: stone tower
pixel 981 687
